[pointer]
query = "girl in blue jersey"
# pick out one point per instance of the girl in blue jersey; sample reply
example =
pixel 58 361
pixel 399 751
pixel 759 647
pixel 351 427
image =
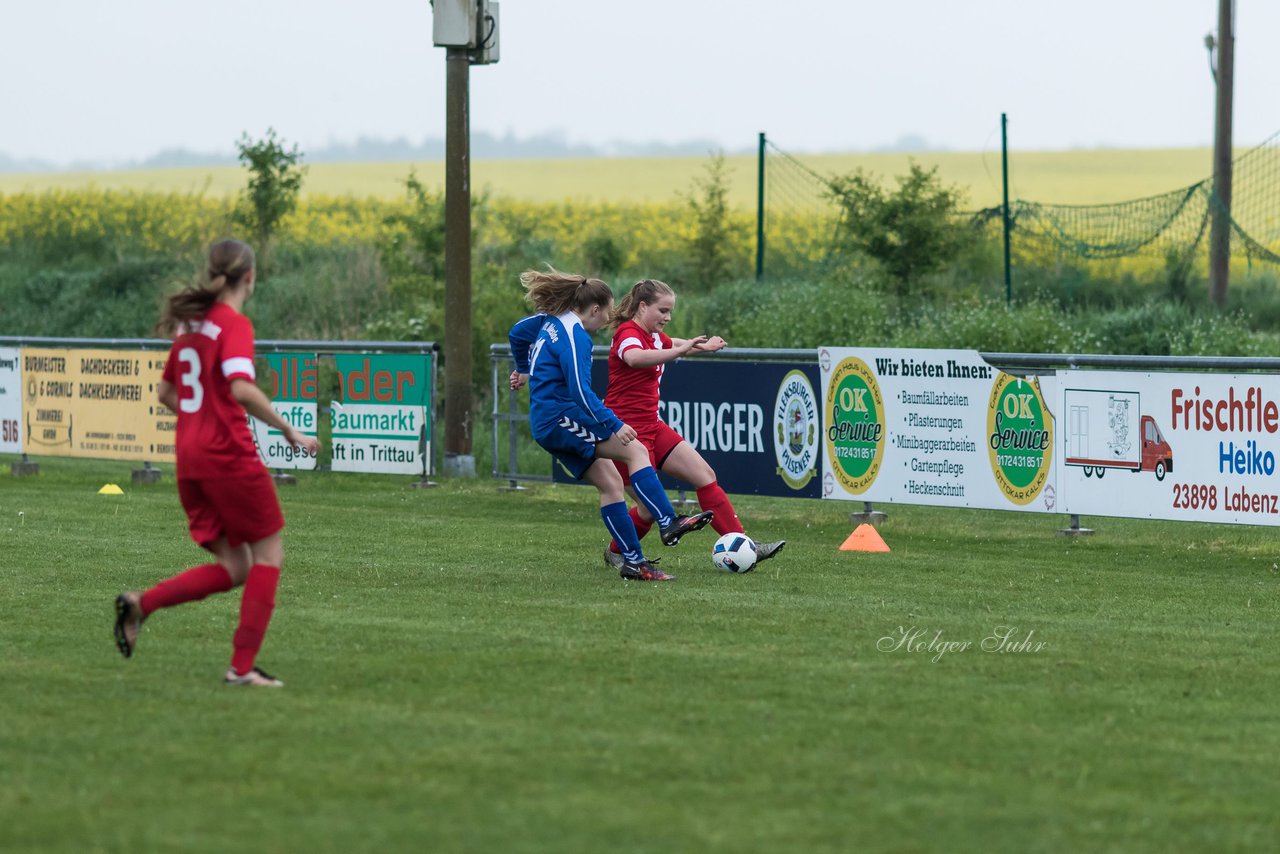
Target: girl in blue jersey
pixel 569 421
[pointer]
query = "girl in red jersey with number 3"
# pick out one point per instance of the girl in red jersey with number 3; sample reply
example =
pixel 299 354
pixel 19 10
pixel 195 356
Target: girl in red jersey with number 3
pixel 227 492
pixel 637 358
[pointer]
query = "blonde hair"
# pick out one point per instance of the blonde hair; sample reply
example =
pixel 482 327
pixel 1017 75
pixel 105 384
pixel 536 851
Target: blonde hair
pixel 229 262
pixel 553 293
pixel 646 290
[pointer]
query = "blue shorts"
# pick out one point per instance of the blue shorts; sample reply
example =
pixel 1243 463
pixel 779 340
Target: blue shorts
pixel 572 440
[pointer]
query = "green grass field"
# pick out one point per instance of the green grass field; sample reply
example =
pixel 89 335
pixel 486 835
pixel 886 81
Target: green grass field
pixel 1059 177
pixel 464 674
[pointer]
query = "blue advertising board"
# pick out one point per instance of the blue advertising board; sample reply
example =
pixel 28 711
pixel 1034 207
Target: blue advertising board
pixel 758 424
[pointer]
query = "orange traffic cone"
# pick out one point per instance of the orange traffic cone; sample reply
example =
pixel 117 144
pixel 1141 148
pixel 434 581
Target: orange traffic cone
pixel 864 538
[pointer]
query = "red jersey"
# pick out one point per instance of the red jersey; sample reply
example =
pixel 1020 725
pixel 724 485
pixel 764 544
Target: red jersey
pixel 633 392
pixel 213 431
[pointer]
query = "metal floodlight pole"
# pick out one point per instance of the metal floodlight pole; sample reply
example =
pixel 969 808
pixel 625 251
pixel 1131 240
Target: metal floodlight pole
pixel 1220 224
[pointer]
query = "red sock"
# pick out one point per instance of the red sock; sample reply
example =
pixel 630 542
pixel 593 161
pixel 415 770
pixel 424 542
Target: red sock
pixel 255 614
pixel 190 586
pixel 642 527
pixel 712 497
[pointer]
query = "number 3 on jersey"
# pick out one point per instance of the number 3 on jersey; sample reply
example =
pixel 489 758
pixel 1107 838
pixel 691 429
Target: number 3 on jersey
pixel 191 379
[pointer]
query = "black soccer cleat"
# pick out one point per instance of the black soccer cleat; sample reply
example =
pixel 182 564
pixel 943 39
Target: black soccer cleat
pixel 683 525
pixel 643 570
pixel 128 622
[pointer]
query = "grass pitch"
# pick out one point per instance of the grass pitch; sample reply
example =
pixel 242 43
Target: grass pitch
pixel 464 674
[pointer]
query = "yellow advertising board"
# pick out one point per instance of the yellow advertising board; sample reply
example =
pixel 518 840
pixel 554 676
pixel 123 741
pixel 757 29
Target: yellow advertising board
pixel 96 403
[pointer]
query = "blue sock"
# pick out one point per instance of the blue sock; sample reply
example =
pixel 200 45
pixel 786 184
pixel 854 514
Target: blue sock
pixel 647 487
pixel 618 522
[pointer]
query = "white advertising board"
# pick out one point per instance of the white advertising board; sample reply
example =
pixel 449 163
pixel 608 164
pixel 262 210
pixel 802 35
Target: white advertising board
pixel 10 401
pixel 935 427
pixel 1195 447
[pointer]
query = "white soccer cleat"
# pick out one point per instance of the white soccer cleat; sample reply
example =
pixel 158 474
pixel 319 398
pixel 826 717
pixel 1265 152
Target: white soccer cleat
pixel 256 677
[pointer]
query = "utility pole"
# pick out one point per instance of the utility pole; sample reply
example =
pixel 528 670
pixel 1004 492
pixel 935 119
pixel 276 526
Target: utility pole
pixel 1220 202
pixel 457 265
pixel 468 30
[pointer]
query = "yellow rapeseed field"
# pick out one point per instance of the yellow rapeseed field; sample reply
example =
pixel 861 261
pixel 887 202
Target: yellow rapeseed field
pixel 1060 177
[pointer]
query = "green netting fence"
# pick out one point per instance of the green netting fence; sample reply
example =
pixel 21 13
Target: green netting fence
pixel 801 217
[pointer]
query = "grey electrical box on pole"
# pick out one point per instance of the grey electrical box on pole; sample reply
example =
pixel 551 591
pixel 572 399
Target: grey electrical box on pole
pixel 468 29
pixel 486 50
pixel 453 23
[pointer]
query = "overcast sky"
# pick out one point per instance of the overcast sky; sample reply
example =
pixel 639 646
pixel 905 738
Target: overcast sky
pixel 119 80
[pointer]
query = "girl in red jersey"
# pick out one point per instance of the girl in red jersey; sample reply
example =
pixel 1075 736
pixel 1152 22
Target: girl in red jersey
pixel 637 358
pixel 227 492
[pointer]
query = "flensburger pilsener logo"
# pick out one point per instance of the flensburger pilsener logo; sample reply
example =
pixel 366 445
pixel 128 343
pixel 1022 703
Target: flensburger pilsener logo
pixel 1019 438
pixel 855 425
pixel 795 430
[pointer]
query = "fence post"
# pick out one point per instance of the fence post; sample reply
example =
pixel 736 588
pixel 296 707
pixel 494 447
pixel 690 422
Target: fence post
pixel 1075 530
pixel 869 515
pixel 25 467
pixel 146 474
pixel 513 403
pixel 1004 168
pixel 760 211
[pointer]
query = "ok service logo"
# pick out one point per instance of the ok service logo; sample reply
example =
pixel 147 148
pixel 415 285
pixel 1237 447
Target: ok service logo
pixel 855 425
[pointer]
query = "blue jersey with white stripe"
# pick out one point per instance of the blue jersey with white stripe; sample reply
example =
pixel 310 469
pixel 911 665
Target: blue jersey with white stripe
pixel 521 338
pixel 560 377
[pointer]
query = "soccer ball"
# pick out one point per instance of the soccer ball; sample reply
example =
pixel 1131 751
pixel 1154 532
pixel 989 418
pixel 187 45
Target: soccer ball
pixel 734 553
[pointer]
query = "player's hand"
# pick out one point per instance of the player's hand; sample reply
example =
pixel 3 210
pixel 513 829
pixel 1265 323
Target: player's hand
pixel 695 343
pixel 518 380
pixel 299 440
pixel 626 434
pixel 714 343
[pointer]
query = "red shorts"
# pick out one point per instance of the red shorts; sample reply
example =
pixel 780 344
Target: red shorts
pixel 244 508
pixel 660 439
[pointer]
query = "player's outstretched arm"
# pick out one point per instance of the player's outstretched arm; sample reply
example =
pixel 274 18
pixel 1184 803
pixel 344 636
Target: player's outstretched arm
pixel 257 405
pixel 636 357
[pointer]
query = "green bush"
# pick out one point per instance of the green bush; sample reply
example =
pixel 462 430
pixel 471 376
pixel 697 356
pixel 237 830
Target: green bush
pixel 911 231
pixel 118 300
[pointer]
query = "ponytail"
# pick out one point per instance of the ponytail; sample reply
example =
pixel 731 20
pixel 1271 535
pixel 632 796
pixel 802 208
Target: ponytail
pixel 553 293
pixel 647 290
pixel 229 262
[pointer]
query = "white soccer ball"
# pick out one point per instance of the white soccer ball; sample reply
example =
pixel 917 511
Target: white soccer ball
pixel 734 553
